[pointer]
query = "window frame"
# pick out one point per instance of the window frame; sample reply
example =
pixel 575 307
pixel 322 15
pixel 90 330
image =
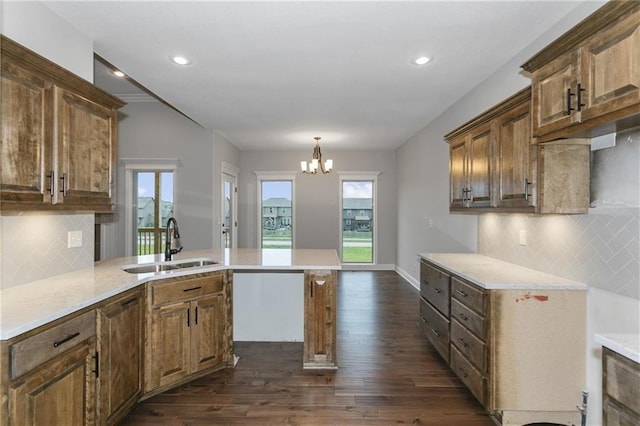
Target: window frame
pixel 365 176
pixel 275 177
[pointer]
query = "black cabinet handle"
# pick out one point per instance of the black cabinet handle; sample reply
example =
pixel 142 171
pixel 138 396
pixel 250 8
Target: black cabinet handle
pixel 463 316
pixel 434 331
pixel 192 288
pixel 52 180
pixel 188 317
pixel 580 90
pixel 526 189
pixel 464 373
pixel 569 95
pixel 196 315
pixel 465 344
pixel 425 282
pixel 437 290
pixel 96 371
pixel 65 184
pixel 65 339
pixel 461 293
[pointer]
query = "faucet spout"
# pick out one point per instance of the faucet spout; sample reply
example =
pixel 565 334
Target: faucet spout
pixel 172 239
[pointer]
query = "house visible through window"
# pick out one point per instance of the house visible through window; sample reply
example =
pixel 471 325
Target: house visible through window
pixel 276 214
pixel 357 231
pixel 154 205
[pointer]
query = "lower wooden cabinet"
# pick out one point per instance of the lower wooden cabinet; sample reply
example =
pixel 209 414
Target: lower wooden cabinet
pixel 620 390
pixel 51 374
pixel 186 324
pixel 120 332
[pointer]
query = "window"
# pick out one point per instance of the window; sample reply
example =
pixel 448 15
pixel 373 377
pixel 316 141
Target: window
pixel 149 185
pixel 357 194
pixel 276 211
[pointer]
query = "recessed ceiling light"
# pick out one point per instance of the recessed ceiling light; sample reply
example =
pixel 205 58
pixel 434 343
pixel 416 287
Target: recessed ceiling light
pixel 180 60
pixel 421 60
pixel 118 73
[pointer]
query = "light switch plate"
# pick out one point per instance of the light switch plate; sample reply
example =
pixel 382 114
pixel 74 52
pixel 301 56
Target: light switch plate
pixel 74 239
pixel 523 237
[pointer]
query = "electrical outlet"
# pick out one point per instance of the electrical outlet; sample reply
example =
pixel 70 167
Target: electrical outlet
pixel 430 223
pixel 523 237
pixel 74 239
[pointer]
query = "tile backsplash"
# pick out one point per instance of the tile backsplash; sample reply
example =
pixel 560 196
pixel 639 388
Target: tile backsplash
pixel 34 246
pixel 601 249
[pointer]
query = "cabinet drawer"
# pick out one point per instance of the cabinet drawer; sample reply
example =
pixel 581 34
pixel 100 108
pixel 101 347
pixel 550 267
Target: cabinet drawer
pixel 614 415
pixel 177 289
pixel 622 380
pixel 473 348
pixel 472 297
pixel 435 287
pixel 471 377
pixel 470 319
pixel 39 348
pixel 435 328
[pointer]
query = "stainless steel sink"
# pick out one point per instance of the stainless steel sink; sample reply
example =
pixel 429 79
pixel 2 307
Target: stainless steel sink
pixel 167 267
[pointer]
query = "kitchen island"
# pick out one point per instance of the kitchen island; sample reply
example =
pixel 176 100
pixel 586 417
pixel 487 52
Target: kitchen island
pixel 84 347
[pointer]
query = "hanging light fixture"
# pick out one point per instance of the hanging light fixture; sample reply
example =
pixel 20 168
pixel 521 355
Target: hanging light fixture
pixel 316 163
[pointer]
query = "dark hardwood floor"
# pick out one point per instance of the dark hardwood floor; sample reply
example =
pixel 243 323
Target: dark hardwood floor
pixel 388 374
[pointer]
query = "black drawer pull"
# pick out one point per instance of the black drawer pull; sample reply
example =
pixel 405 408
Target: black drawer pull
pixel 424 320
pixel 465 344
pixel 434 331
pixel 437 290
pixel 65 339
pixel 464 318
pixel 128 302
pixel 192 288
pixel 461 293
pixel 464 373
pixel 425 282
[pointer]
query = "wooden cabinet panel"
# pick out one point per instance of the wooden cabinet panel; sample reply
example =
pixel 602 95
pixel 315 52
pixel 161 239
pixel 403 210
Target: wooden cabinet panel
pixel 472 378
pixel 26 136
pixel 320 319
pixel 207 330
pixel 471 296
pixel 435 287
pixel 61 392
pixel 470 346
pixel 479 149
pixel 120 325
pixel 611 69
pixel 458 173
pixel 516 167
pixel 185 288
pixel 615 415
pixel 621 388
pixel 435 328
pixel 169 352
pixel 474 322
pixel 86 148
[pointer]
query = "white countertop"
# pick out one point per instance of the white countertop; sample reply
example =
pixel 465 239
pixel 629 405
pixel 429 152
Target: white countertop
pixel 27 306
pixel 627 345
pixel 490 273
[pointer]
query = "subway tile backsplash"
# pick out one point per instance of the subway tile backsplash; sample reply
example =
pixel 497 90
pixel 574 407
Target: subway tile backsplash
pixel 34 246
pixel 601 249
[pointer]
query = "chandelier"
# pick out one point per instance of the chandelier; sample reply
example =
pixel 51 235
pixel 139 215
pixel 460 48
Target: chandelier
pixel 316 163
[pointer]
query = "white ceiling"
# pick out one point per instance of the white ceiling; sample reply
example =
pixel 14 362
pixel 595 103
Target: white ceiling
pixel 271 75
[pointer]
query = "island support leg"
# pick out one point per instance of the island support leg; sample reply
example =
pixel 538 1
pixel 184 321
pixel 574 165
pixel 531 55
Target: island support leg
pixel 320 306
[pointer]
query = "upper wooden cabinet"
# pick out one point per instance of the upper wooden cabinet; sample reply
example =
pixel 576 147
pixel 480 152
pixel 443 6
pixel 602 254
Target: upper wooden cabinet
pixel 495 165
pixel 59 136
pixel 590 75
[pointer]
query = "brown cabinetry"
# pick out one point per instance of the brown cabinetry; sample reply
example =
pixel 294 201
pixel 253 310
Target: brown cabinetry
pixel 52 374
pixel 119 329
pixel 621 390
pixel 590 75
pixel 495 165
pixel 186 328
pixel 435 307
pixel 58 136
pixel 320 319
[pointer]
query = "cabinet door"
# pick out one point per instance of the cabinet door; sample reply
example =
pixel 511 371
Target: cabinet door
pixel 207 328
pixel 320 319
pixel 516 173
pixel 86 150
pixel 549 98
pixel 170 342
pixel 479 151
pixel 611 70
pixel 26 137
pixel 120 349
pixel 60 392
pixel 458 174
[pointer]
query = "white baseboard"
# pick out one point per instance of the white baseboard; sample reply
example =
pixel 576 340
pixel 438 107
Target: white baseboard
pixel 363 267
pixel 404 274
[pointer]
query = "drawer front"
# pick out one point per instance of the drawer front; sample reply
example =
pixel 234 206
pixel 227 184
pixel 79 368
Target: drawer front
pixel 471 377
pixel 39 348
pixel 177 289
pixel 473 297
pixel 471 320
pixel 435 287
pixel 615 415
pixel 622 380
pixel 435 328
pixel 470 346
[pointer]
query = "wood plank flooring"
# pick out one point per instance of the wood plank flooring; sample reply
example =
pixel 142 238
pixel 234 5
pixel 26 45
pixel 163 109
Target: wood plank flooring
pixel 388 374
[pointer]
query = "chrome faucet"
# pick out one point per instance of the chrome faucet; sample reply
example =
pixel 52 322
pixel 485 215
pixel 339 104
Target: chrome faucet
pixel 172 239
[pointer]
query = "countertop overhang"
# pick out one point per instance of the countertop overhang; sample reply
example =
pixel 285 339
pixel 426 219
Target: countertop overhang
pixel 28 306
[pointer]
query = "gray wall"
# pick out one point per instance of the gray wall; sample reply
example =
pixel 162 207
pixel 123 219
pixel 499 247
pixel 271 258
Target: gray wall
pixel 316 197
pixel 152 130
